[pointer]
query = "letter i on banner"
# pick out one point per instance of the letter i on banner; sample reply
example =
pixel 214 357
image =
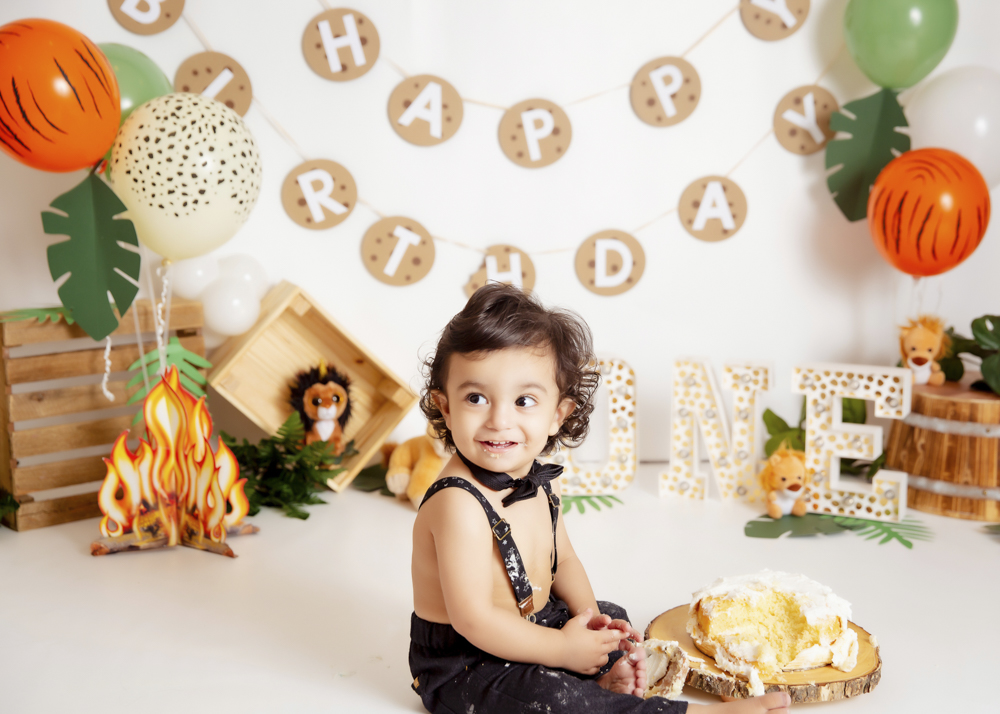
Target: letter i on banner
pixel 697 407
pixel 216 76
pixel 828 438
pixel 146 17
pixel 618 380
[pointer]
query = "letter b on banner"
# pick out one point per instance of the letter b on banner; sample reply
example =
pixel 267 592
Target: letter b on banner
pixel 146 17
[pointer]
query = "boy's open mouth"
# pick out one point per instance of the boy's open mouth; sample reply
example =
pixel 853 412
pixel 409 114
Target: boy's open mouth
pixel 497 447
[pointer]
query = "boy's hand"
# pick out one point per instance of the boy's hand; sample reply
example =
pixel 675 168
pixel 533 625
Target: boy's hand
pixel 585 650
pixel 601 622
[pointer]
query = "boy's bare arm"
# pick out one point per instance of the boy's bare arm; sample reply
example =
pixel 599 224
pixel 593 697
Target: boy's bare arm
pixel 464 546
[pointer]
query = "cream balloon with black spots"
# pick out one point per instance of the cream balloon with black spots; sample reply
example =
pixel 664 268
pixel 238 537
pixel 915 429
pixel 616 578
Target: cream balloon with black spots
pixel 189 172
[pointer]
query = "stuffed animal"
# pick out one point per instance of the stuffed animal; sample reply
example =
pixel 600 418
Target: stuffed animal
pixel 322 398
pixel 922 342
pixel 414 465
pixel 784 480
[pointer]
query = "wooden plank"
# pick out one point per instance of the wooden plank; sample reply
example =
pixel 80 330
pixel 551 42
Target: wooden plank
pixel 395 392
pixel 69 400
pixel 184 314
pixel 51 439
pixel 38 514
pixel 368 441
pixel 6 477
pixel 56 474
pixel 85 362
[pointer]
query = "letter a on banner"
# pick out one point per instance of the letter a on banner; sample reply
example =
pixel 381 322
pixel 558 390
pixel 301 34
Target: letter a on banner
pixel 425 110
pixel 698 409
pixel 713 208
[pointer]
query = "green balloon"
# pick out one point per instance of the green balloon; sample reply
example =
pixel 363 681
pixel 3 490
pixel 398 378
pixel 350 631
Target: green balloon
pixel 896 43
pixel 139 79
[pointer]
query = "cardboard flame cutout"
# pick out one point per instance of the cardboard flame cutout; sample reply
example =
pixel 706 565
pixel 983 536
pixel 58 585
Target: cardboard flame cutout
pixel 174 489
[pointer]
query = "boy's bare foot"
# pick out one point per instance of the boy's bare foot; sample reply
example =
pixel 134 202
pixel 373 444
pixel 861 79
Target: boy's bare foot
pixel 773 703
pixel 628 675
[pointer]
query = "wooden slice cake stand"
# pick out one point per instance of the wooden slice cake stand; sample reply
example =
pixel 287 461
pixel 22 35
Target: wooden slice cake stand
pixel 823 684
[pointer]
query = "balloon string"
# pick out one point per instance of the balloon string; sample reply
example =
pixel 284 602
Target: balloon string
pixel 107 370
pixel 168 291
pixel 161 342
pixel 143 367
pixel 152 302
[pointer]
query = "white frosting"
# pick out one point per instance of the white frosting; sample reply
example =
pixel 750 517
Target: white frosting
pixel 818 602
pixel 667 666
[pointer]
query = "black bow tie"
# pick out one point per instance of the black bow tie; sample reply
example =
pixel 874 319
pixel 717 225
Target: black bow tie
pixel 524 488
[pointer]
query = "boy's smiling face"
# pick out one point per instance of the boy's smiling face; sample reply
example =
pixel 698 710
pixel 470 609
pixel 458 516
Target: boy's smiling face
pixel 503 406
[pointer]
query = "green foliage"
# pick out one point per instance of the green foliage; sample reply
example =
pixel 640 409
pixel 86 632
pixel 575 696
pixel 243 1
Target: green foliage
pixel 372 479
pixel 282 472
pixel 795 526
pixel 93 256
pixel 854 412
pixel 862 157
pixel 42 314
pixel 909 530
pixel 187 362
pixel 993 530
pixel 581 502
pixel 985 344
pixel 7 504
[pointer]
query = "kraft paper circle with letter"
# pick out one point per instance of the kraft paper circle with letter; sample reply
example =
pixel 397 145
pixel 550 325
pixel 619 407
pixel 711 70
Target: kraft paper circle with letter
pixel 712 208
pixel 216 76
pixel 610 262
pixel 319 194
pixel 425 110
pixel 340 44
pixel 665 91
pixel 503 264
pixel 535 133
pixel 802 119
pixel 397 251
pixel 773 19
pixel 146 17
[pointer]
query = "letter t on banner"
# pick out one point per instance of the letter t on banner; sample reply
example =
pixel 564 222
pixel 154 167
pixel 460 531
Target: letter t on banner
pixel 828 438
pixel 697 406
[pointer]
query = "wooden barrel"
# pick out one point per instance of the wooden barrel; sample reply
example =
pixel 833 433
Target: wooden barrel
pixel 950 446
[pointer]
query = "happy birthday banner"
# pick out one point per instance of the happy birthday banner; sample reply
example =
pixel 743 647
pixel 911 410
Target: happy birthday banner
pixel 342 45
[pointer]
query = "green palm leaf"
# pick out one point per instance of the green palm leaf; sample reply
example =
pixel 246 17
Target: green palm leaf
pixel 581 502
pixel 42 314
pixel 870 147
pixel 906 531
pixel 795 526
pixel 93 256
pixel 188 365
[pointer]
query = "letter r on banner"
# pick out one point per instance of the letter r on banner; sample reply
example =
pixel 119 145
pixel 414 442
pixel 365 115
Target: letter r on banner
pixel 533 133
pixel 406 239
pixel 512 276
pixel 319 198
pixel 145 17
pixel 350 38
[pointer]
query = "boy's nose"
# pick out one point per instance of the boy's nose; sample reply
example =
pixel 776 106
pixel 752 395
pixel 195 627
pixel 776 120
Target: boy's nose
pixel 499 417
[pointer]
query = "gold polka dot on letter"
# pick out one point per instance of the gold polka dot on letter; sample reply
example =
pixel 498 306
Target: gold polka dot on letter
pixel 610 262
pixel 802 119
pixel 148 17
pixel 773 19
pixel 216 76
pixel 712 208
pixel 665 91
pixel 425 110
pixel 319 194
pixel 535 133
pixel 503 264
pixel 397 251
pixel 340 45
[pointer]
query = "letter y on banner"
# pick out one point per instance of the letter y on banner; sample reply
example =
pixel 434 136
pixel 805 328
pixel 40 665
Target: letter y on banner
pixel 697 407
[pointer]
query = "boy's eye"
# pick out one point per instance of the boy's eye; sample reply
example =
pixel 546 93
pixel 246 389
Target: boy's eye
pixel 476 399
pixel 525 401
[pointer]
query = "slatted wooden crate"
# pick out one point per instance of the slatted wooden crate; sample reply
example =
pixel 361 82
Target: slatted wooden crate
pixel 255 372
pixel 43 367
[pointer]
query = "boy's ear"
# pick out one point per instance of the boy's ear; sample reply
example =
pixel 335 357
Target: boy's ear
pixel 566 407
pixel 441 399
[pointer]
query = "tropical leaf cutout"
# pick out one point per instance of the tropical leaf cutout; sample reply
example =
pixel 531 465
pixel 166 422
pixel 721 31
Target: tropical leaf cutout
pixel 870 147
pixel 92 256
pixel 907 531
pixel 993 530
pixel 795 526
pixel 42 314
pixel 187 362
pixel 581 502
pixel 7 504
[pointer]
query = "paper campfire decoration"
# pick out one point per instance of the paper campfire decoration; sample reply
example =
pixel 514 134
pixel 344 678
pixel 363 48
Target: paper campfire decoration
pixel 175 489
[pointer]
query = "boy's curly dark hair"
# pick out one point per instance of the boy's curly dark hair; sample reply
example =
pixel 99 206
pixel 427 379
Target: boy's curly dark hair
pixel 501 316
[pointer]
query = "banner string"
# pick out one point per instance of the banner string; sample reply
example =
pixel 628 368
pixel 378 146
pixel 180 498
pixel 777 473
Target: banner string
pixel 306 157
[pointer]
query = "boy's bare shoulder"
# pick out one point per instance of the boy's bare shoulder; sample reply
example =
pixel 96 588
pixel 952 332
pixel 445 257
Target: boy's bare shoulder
pixel 454 508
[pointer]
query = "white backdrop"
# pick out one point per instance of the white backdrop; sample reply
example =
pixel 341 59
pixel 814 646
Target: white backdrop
pixel 798 282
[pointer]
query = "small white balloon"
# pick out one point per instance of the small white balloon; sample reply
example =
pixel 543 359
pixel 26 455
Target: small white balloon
pixel 960 110
pixel 212 338
pixel 231 306
pixel 190 277
pixel 245 268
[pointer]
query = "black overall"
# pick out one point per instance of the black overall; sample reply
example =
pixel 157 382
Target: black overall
pixel 453 676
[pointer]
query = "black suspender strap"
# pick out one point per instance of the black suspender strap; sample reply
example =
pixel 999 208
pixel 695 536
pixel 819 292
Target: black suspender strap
pixel 554 513
pixel 505 541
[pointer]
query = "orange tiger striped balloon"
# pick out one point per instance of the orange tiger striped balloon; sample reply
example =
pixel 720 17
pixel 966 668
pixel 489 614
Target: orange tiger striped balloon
pixel 59 101
pixel 928 211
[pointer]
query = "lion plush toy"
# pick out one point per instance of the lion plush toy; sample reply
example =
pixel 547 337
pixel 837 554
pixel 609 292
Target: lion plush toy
pixel 321 397
pixel 414 465
pixel 922 342
pixel 784 480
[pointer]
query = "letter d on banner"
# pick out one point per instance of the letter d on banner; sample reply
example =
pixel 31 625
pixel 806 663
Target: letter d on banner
pixel 610 263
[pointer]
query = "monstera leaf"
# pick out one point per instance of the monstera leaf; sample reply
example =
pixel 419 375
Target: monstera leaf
pixel 805 526
pixel 869 148
pixel 92 256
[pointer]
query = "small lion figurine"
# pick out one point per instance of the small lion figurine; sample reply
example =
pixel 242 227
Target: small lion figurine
pixel 922 342
pixel 322 398
pixel 784 480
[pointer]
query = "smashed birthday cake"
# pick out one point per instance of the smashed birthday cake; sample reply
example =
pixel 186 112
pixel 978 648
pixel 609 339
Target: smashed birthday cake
pixel 756 626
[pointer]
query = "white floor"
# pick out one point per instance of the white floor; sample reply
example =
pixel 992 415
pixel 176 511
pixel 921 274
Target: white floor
pixel 313 616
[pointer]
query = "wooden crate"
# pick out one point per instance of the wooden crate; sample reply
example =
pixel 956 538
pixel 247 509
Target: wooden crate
pixel 255 371
pixel 83 417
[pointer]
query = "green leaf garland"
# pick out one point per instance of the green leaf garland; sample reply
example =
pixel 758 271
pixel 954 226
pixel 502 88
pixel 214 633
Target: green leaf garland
pixel 41 314
pixel 870 147
pixel 92 256
pixel 907 531
pixel 581 502
pixel 795 526
pixel 188 364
